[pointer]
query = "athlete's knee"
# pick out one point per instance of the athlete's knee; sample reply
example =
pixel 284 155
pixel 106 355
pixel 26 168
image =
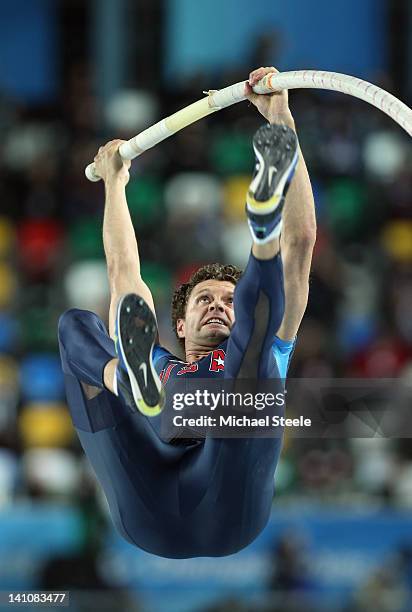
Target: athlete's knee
pixel 70 320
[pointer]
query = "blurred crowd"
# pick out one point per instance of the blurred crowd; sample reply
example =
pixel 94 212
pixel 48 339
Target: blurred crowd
pixel 186 198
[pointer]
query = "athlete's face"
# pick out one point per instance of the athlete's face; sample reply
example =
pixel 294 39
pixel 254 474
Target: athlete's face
pixel 209 314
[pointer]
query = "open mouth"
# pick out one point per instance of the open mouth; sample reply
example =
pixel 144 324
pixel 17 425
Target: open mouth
pixel 216 321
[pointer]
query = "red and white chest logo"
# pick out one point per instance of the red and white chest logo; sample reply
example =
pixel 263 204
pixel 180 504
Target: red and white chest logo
pixel 217 360
pixel 190 367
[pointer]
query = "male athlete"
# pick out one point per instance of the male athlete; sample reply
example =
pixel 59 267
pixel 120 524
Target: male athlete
pixel 203 497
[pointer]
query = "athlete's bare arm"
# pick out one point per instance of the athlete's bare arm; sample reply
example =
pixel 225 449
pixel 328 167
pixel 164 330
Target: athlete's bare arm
pixel 120 246
pixel 299 221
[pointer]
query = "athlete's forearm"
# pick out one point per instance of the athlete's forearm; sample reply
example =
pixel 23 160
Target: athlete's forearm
pixel 299 219
pixel 297 241
pixel 120 246
pixel 119 238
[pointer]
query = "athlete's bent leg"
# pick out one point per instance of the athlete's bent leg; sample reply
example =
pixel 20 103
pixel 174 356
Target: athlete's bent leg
pixel 86 352
pixel 137 471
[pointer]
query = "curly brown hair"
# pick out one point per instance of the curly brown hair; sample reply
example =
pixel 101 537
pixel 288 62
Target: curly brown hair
pixel 215 271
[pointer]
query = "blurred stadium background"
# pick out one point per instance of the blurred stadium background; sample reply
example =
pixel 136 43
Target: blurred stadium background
pixel 74 74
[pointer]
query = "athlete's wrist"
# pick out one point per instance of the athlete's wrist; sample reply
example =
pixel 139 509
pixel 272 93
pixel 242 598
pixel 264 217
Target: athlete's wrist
pixel 116 180
pixel 284 117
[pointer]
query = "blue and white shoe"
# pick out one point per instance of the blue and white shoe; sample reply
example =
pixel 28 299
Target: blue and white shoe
pixel 137 379
pixel 276 150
